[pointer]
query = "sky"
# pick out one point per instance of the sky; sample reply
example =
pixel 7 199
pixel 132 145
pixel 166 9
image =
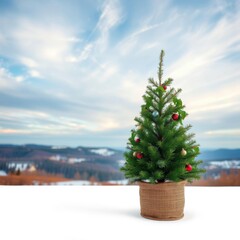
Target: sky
pixel 74 72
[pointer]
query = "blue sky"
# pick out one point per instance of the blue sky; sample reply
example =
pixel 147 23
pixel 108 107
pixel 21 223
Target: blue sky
pixel 73 72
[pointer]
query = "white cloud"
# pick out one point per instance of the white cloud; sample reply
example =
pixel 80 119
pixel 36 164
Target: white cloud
pixel 34 121
pixel 4 78
pixel 7 80
pixel 224 132
pixel 132 41
pixel 34 73
pixel 83 55
pixel 107 124
pixel 13 131
pixel 28 62
pixel 35 42
pixel 74 39
pixel 110 16
pixel 101 71
pixel 20 78
pixel 207 46
pixel 144 30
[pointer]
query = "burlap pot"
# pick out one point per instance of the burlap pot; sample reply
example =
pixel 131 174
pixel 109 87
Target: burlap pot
pixel 162 201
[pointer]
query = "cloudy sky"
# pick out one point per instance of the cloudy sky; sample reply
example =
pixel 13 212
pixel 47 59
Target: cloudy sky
pixel 74 72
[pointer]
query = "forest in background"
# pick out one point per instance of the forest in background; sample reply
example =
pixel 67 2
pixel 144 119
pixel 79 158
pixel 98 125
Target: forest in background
pixel 39 164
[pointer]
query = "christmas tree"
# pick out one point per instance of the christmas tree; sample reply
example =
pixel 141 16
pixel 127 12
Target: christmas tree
pixel 160 148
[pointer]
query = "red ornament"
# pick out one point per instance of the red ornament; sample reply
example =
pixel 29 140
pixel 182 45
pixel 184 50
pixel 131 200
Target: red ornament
pixel 137 139
pixel 175 116
pixel 139 155
pixel 188 167
pixel 164 87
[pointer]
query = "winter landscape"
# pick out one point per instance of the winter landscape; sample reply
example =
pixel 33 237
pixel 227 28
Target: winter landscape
pixel 73 75
pixel 33 164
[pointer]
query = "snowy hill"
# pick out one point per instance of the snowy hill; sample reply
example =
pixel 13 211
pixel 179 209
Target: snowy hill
pixel 102 151
pixel 85 162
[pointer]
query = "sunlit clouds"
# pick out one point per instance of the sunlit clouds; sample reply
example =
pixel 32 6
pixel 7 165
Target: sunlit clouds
pixel 74 72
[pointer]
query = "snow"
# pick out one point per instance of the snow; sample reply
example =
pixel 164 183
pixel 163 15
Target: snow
pixel 3 173
pixel 121 162
pixel 87 183
pixel 74 183
pixel 120 182
pixel 20 166
pixel 113 212
pixel 102 151
pixel 226 164
pixel 59 147
pixel 76 160
pixel 55 158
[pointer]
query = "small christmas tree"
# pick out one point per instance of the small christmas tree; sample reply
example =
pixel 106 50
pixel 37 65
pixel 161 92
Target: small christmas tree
pixel 160 148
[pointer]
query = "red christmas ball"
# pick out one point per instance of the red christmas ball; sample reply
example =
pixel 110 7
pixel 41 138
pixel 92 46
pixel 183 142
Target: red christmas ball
pixel 139 155
pixel 188 167
pixel 175 116
pixel 164 87
pixel 137 139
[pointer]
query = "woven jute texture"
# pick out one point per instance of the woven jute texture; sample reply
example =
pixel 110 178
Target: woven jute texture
pixel 162 201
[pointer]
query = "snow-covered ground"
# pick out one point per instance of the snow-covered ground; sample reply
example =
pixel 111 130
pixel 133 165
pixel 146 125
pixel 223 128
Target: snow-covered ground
pixel 3 173
pixel 227 164
pixel 59 147
pixel 121 182
pixel 87 183
pixel 99 212
pixel 57 157
pixel 76 160
pixel 20 166
pixel 73 183
pixel 121 162
pixel 102 151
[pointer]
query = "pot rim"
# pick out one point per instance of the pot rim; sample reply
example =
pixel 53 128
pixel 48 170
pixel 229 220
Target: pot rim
pixel 161 184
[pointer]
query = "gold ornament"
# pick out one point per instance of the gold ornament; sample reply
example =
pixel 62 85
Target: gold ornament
pixel 183 152
pixel 134 154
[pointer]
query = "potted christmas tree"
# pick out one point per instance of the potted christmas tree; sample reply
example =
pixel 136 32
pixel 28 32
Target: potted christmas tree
pixel 161 153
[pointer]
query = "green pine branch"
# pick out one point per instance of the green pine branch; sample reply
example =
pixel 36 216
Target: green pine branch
pixel 160 68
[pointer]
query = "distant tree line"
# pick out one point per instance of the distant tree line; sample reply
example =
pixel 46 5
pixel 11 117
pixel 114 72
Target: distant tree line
pixel 3 166
pixel 16 152
pixel 100 170
pixel 84 170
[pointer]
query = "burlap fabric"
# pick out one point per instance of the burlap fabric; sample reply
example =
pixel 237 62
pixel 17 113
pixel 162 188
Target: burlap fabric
pixel 162 201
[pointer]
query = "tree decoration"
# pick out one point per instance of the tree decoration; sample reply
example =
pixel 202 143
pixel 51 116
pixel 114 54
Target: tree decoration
pixel 139 155
pixel 139 127
pixel 164 87
pixel 188 167
pixel 155 113
pixel 162 139
pixel 137 139
pixel 183 152
pixel 175 116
